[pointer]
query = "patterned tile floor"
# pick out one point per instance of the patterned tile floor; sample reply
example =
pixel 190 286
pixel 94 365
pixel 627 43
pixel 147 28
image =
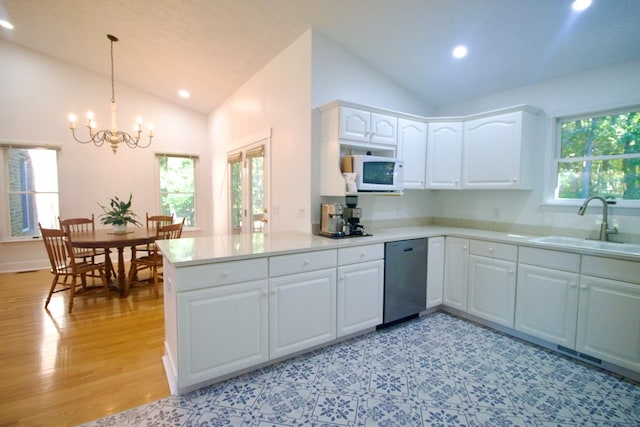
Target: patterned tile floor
pixel 434 371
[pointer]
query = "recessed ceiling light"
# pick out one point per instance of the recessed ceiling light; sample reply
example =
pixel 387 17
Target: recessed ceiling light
pixel 580 5
pixel 459 51
pixel 6 24
pixel 184 93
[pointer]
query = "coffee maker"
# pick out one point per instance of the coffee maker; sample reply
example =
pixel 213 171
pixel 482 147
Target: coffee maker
pixel 352 215
pixel 332 220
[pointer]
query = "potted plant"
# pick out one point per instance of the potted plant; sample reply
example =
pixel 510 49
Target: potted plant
pixel 119 214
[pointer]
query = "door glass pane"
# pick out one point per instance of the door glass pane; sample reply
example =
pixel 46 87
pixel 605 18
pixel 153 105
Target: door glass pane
pixel 235 180
pixel 257 208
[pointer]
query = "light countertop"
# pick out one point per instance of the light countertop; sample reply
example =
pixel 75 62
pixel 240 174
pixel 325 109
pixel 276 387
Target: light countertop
pixel 204 250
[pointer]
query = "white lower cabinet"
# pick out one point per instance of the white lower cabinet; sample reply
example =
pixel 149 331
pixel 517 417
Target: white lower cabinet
pixel 547 295
pixel 222 329
pixel 456 267
pixel 360 296
pixel 547 304
pixel 492 282
pixel 302 311
pixel 435 271
pixel 360 288
pixel 609 321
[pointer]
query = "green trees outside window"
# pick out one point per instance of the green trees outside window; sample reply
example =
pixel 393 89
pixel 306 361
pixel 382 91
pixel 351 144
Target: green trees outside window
pixel 177 188
pixel 600 155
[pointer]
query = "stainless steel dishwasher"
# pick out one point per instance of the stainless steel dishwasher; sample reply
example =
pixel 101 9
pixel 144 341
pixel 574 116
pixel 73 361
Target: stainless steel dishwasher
pixel 405 279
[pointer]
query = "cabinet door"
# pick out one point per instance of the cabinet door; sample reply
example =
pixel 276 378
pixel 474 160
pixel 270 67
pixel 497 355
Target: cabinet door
pixel 302 311
pixel 609 321
pixel 355 124
pixel 456 267
pixel 221 330
pixel 412 148
pixel 360 296
pixel 444 155
pixel 547 304
pixel 491 152
pixel 384 129
pixel 435 271
pixel 492 289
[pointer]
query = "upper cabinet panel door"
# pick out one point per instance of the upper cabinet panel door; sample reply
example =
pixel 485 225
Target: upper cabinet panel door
pixel 412 148
pixel 444 155
pixel 384 129
pixel 491 152
pixel 365 126
pixel 355 124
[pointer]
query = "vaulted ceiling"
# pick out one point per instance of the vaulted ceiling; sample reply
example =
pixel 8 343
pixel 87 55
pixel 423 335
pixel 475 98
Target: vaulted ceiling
pixel 211 47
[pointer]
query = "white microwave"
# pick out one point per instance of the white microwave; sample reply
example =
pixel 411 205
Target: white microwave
pixel 375 173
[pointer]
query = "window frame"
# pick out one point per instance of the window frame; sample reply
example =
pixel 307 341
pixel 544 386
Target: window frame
pixel 159 193
pixel 554 149
pixel 5 203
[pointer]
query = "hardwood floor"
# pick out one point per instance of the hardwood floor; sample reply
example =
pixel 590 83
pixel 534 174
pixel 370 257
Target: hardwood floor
pixel 65 369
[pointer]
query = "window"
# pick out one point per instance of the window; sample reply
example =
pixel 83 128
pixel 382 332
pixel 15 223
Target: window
pixel 32 191
pixel 177 187
pixel 599 155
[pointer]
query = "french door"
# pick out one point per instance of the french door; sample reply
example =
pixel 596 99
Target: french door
pixel 248 188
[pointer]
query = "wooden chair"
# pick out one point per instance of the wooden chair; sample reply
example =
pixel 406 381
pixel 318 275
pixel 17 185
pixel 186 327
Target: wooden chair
pixel 65 266
pixel 153 223
pixel 153 261
pixel 79 225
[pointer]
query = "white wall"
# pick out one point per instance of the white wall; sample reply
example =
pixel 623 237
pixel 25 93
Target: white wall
pixel 594 90
pixel 38 94
pixel 276 98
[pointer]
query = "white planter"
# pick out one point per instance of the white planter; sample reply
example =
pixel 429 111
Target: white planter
pixel 119 229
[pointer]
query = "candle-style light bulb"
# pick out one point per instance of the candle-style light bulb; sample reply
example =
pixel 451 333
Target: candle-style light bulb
pixel 89 115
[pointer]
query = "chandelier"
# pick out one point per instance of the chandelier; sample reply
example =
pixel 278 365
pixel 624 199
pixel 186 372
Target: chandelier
pixel 113 136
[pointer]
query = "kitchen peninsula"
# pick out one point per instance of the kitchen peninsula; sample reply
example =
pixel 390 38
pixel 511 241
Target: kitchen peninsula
pixel 235 303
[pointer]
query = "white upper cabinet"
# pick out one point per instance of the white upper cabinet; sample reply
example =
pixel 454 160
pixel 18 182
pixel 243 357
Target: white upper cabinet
pixel 444 155
pixel 491 150
pixel 496 151
pixel 412 148
pixel 368 127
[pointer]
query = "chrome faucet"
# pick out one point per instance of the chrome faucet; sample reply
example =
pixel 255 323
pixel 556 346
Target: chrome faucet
pixel 604 230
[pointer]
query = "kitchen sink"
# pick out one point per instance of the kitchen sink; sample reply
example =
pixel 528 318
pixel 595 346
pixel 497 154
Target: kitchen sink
pixel 576 242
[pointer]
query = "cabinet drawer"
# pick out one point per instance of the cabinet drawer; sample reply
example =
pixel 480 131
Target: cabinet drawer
pixel 557 260
pixel 299 263
pixel 222 273
pixel 494 250
pixel 360 254
pixel 616 269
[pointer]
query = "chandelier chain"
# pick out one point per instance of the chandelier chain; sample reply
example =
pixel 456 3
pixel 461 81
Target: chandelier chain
pixel 113 86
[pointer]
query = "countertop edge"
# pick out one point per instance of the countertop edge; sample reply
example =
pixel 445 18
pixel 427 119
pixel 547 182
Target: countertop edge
pixel 214 249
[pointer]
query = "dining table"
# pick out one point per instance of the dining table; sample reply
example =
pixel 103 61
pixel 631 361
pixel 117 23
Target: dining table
pixel 107 239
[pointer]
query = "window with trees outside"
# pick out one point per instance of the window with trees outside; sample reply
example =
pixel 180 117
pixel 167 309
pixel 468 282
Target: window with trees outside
pixel 599 155
pixel 177 187
pixel 32 190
